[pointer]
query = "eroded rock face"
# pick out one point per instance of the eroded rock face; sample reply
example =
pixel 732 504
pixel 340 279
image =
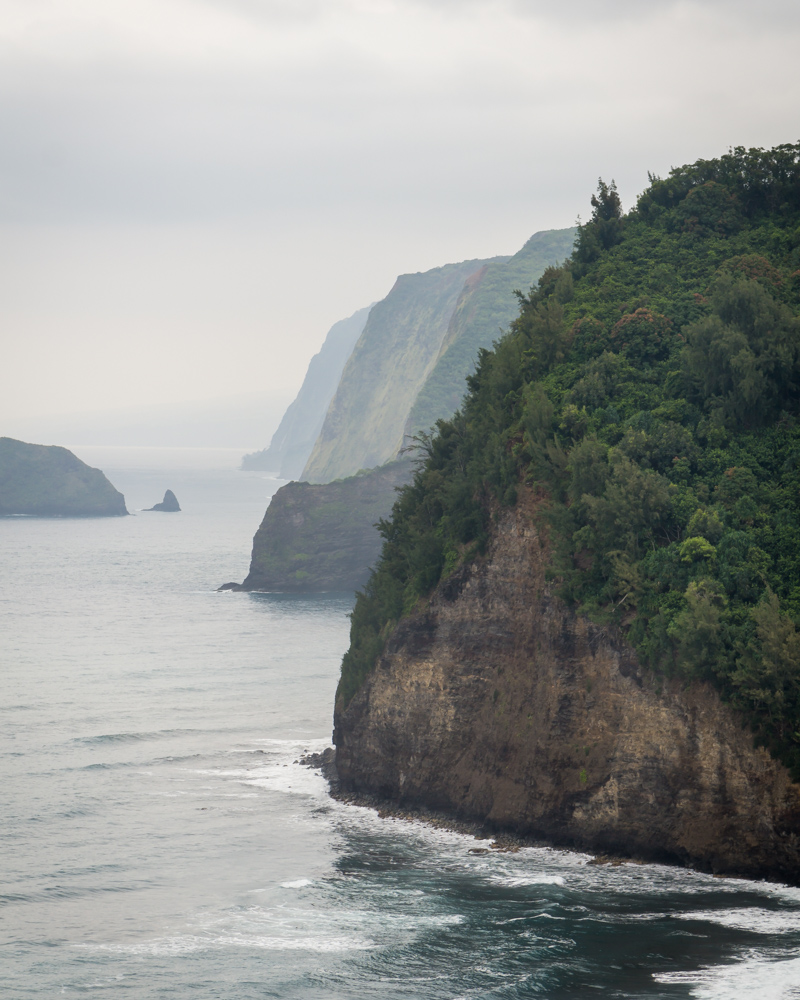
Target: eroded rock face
pixel 498 704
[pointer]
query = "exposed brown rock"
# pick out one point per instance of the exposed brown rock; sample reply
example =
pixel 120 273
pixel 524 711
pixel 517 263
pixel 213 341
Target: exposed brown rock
pixel 498 705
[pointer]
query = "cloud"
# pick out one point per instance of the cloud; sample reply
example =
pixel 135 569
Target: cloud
pixel 411 131
pixel 198 109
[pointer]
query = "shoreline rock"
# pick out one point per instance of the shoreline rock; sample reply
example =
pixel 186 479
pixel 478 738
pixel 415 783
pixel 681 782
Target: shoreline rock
pixel 500 841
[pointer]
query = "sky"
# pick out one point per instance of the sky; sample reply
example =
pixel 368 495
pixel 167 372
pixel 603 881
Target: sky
pixel 193 191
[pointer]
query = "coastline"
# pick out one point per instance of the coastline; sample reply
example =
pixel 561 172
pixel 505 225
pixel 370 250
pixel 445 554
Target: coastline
pixel 500 840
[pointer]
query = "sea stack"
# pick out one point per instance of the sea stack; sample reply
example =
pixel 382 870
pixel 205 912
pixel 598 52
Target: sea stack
pixel 169 504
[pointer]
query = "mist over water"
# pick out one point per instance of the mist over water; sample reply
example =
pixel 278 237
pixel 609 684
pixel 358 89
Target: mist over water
pixel 157 838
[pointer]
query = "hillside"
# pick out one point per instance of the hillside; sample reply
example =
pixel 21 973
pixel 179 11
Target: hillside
pixel 420 342
pixel 641 419
pixel 294 439
pixel 49 481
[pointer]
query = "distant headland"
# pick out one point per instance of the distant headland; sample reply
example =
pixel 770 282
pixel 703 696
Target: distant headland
pixel 49 481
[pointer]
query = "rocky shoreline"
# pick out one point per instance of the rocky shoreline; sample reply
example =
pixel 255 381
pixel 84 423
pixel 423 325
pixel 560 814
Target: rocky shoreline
pixel 500 841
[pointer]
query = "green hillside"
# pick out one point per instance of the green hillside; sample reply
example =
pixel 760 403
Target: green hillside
pixel 649 389
pixel 485 309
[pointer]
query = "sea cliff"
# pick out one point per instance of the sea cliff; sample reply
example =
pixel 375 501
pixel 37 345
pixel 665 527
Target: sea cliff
pixel 364 424
pixel 292 442
pixel 497 704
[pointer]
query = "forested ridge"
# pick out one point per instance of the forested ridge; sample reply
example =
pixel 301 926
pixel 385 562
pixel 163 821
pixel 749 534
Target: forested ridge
pixel 649 391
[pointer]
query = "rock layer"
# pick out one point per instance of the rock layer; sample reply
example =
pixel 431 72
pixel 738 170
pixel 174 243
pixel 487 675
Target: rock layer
pixel 496 703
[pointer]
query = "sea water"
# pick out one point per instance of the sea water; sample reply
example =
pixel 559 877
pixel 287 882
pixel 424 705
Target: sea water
pixel 159 839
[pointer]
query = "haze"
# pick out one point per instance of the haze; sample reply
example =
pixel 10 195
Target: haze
pixel 193 191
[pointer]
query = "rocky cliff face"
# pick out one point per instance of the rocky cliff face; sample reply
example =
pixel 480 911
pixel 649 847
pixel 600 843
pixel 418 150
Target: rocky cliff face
pixel 495 703
pixel 49 481
pixel 316 538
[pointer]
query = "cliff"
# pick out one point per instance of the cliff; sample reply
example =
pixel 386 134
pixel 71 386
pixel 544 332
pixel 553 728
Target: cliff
pixel 484 310
pixel 294 439
pixel 610 690
pixel 49 481
pixel 363 427
pixel 408 368
pixel 496 703
pixel 323 537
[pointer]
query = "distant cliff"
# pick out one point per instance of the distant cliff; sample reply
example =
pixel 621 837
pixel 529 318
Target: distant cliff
pixel 484 310
pixel 406 370
pixel 363 427
pixel 49 481
pixel 294 439
pixel 323 537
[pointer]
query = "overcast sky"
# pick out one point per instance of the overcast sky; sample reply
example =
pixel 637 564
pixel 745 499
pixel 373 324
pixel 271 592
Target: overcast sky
pixel 193 191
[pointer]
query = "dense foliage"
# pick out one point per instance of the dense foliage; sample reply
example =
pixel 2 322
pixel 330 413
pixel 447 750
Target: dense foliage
pixel 650 390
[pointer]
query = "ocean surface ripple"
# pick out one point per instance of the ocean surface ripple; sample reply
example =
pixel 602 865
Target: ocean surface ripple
pixel 159 838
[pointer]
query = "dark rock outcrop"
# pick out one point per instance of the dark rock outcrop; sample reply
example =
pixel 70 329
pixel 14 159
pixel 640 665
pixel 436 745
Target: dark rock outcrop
pixel 497 704
pixel 49 481
pixel 323 537
pixel 169 504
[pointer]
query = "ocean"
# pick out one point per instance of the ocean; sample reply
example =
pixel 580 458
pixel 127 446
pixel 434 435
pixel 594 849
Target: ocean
pixel 159 839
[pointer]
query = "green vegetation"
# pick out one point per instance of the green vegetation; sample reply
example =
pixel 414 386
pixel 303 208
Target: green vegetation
pixel 649 390
pixel 48 481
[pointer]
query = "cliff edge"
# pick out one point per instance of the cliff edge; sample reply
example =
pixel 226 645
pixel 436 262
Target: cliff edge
pixel 497 704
